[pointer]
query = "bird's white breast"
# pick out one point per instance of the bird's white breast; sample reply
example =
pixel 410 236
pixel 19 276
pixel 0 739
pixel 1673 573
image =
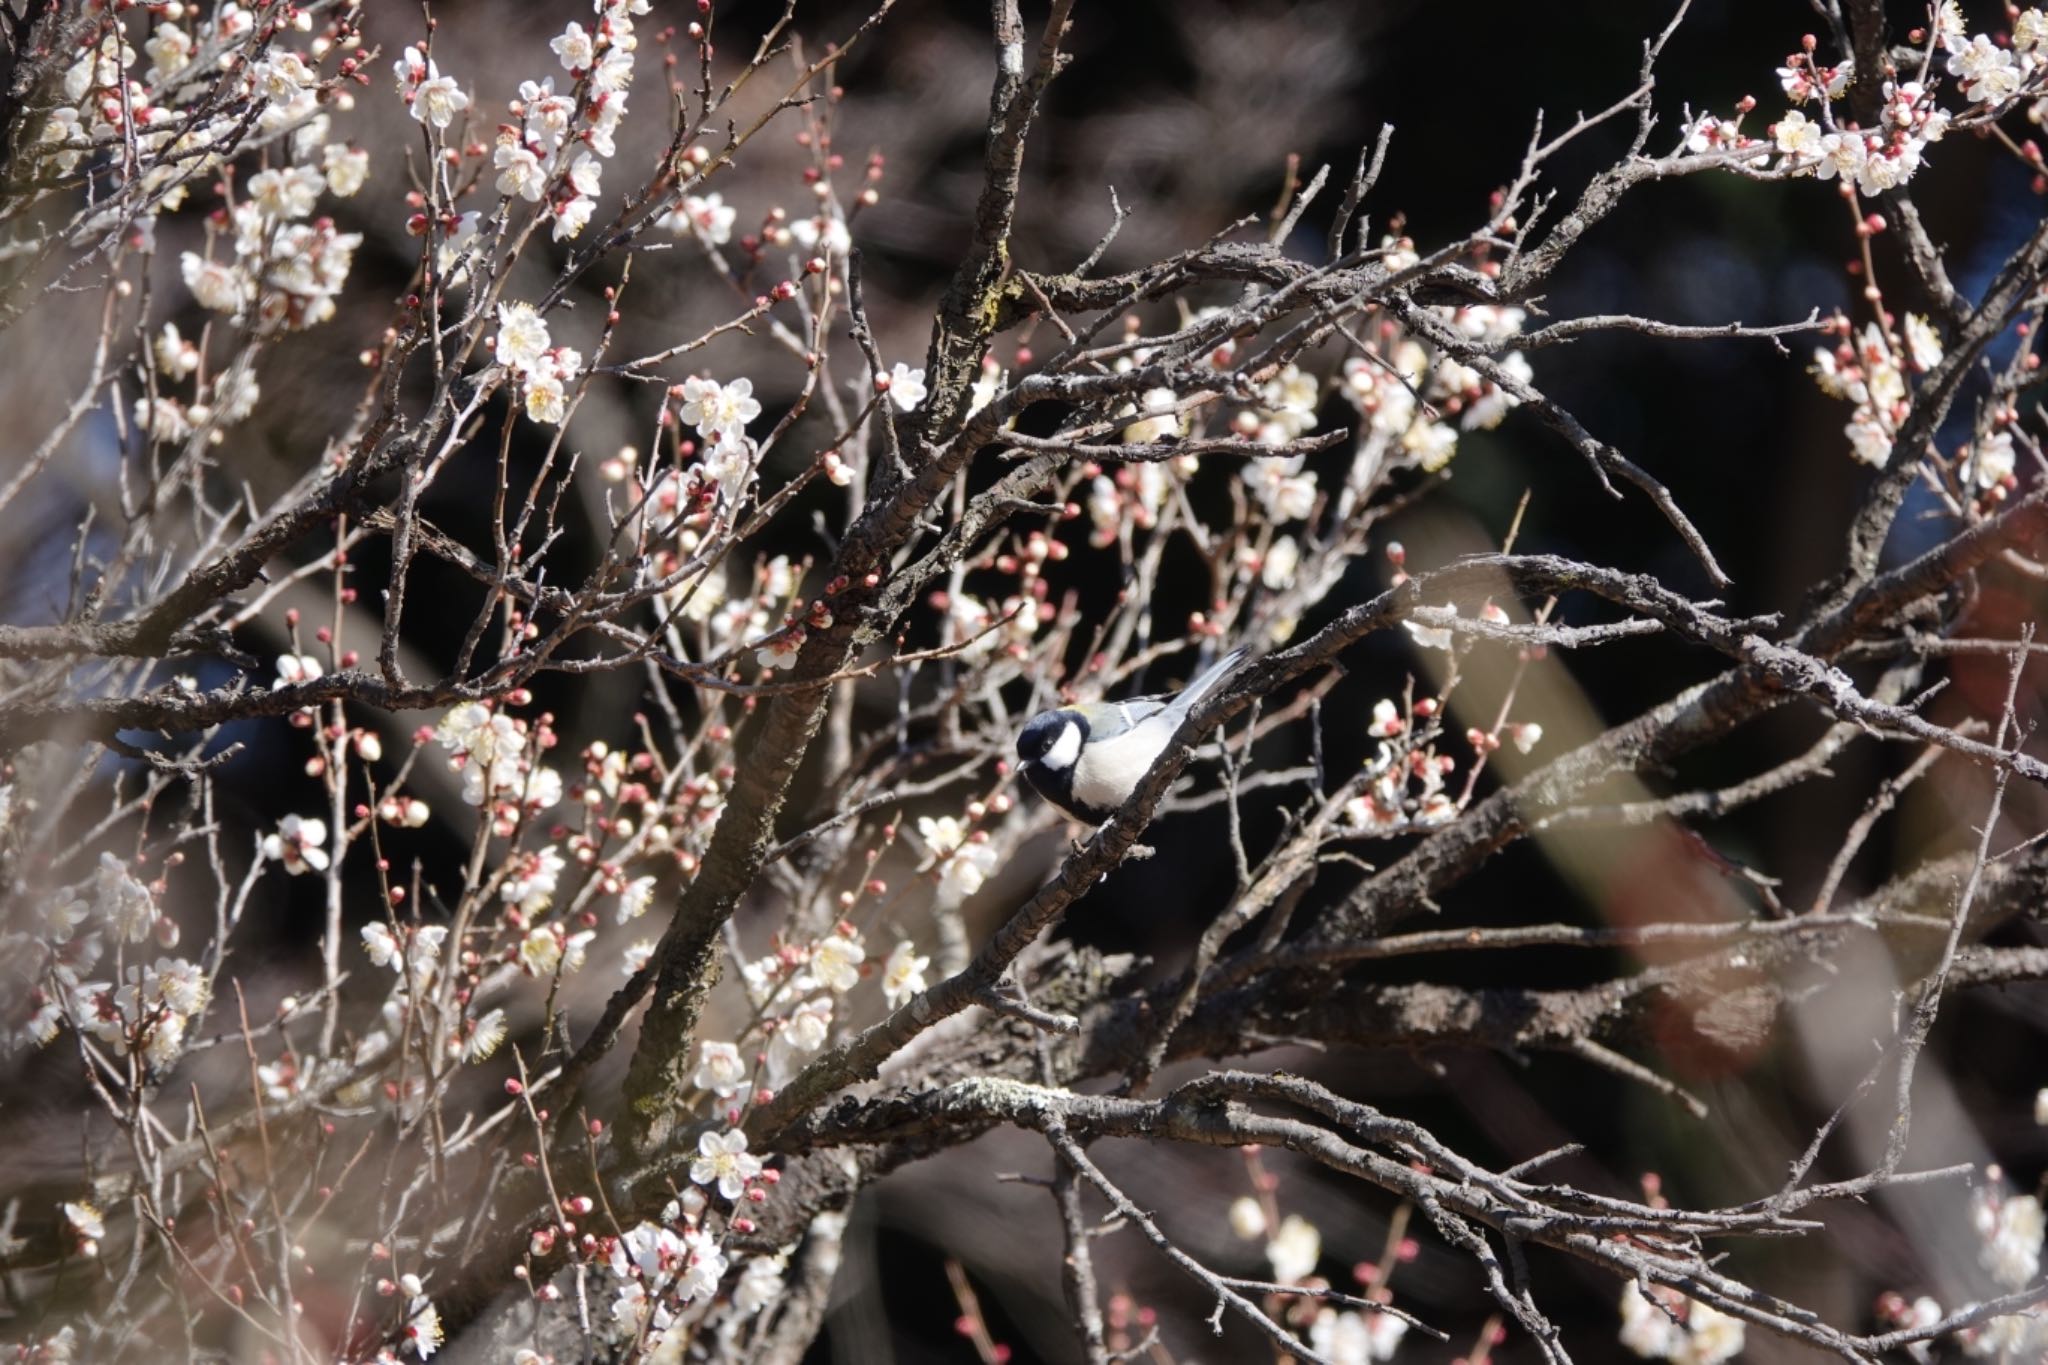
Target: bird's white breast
pixel 1111 768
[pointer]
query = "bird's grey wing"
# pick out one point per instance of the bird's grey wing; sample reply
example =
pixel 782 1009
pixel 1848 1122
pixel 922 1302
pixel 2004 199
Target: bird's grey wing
pixel 1203 683
pixel 1206 681
pixel 1108 720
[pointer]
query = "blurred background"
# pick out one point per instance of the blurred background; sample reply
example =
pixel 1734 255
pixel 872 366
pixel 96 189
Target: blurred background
pixel 1189 110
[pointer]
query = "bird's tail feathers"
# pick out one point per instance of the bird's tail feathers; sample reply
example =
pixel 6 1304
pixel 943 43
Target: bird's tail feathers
pixel 1207 680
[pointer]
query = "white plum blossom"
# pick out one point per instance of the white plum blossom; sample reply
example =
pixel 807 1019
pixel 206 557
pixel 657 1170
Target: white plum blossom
pixel 1294 1249
pixel 826 234
pixel 720 412
pixel 1430 444
pixel 281 78
pixel 1923 343
pixel 801 1033
pixel 903 974
pixel 1160 422
pixel 1987 73
pixel 546 112
pixel 906 387
pixel 2012 1227
pixel 381 945
pixel 482 1036
pixel 546 393
pixel 1869 442
pixel 63 130
pixel 1486 322
pixel 540 952
pixel 2009 1337
pixel 422 1327
pixel 760 1284
pixel 634 898
pixel 1647 1329
pixel 731 469
pixel 723 1161
pixel 1842 154
pixel 1282 488
pixel 981 629
pixel 704 1265
pixel 222 288
pixel 1493 403
pixel 708 214
pixel 1288 405
pixel 522 336
pixel 613 72
pixel 170 51
pixel 87 1225
pixel 487 747
pixel 297 844
pixel 1280 563
pixel 780 651
pixel 1700 1335
pixel 542 789
pixel 1798 136
pixel 431 97
pixel 163 418
pixel 1431 637
pixel 2030 36
pixel 606 113
pixel 992 380
pixel 647 1251
pixel 720 1069
pixel 575 48
pixel 572 216
pixel 123 902
pixel 345 168
pixel 423 952
pixel 287 193
pixel 438 100
pixel 1346 1338
pixel 1247 1217
pixel 970 861
pixel 1951 30
pixel 546 399
pixel 448 255
pixel 531 883
pixel 1105 509
pixel 519 171
pixel 1992 461
pixel 835 962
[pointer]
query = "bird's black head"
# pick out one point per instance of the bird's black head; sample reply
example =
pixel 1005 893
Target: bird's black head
pixel 1050 747
pixel 1042 734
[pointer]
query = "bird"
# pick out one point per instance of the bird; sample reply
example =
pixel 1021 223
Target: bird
pixel 1087 759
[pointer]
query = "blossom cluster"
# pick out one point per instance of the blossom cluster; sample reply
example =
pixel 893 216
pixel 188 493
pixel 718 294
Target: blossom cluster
pixel 1294 1250
pixel 2010 1228
pixel 1664 1324
pixel 147 135
pixel 148 1011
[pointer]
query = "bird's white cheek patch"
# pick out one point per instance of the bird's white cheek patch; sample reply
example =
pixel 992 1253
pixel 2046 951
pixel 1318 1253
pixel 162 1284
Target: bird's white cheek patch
pixel 1065 750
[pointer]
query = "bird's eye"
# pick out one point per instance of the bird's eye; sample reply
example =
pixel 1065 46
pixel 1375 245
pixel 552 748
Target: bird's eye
pixel 1037 736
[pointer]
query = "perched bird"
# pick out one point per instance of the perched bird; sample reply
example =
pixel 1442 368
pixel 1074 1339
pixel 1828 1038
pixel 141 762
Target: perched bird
pixel 1088 759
